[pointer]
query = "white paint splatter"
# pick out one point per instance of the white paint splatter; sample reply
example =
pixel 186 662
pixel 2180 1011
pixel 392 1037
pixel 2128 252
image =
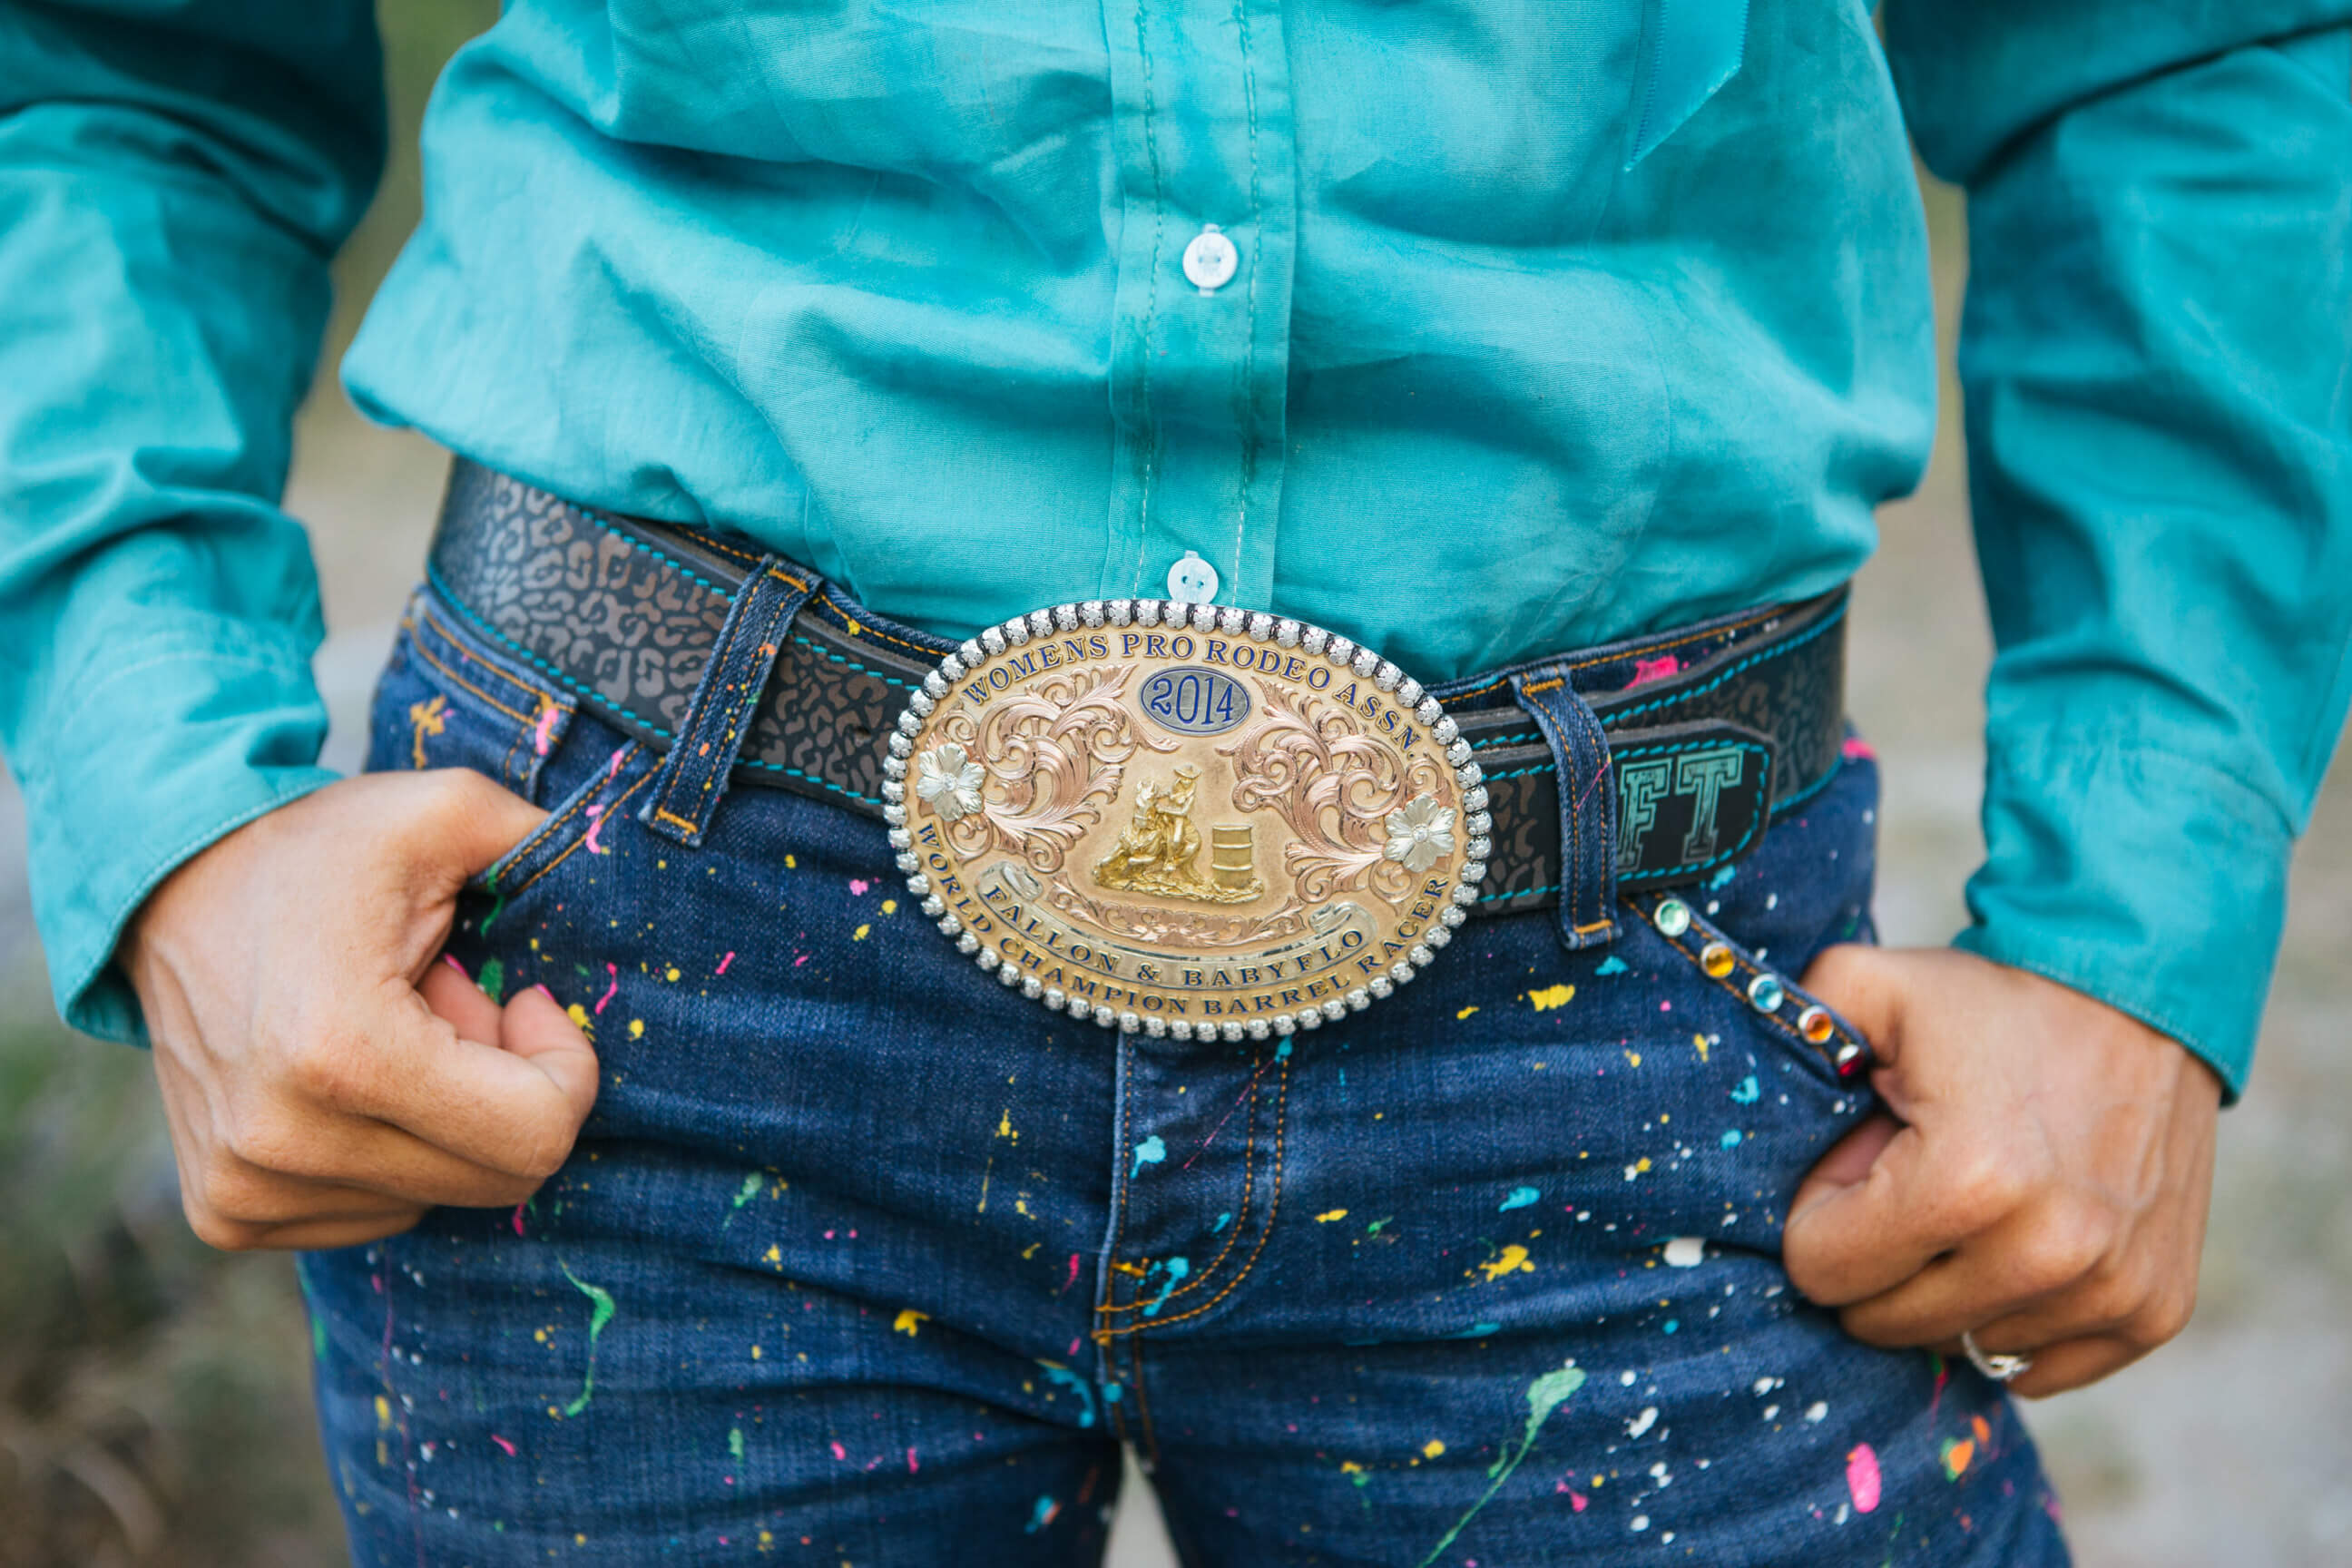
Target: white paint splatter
pixel 1641 1423
pixel 1817 1409
pixel 1686 1252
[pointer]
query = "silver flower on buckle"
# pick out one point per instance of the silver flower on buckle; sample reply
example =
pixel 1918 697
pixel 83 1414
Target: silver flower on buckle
pixel 949 781
pixel 1421 832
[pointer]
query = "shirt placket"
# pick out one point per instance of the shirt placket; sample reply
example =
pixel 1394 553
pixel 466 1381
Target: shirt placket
pixel 1200 336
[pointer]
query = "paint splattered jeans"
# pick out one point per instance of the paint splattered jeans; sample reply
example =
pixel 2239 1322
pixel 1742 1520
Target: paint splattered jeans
pixel 863 1259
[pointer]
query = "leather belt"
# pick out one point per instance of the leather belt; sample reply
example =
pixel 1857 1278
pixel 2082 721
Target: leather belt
pixel 1713 729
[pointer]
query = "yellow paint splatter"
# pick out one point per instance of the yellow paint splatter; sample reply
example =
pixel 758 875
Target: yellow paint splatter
pixel 383 1411
pixel 774 1254
pixel 637 1028
pixel 1700 1041
pixel 889 906
pixel 1464 1012
pixel 1551 996
pixel 791 864
pixel 1004 1126
pixel 1634 1058
pixel 426 718
pixel 755 1353
pixel 579 1015
pixel 1328 1216
pixel 1349 1467
pixel 1432 1449
pixel 670 974
pixel 908 1322
pixel 859 934
pixel 1513 1260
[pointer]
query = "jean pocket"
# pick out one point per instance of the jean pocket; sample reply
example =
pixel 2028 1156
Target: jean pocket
pixel 446 700
pixel 600 790
pixel 1689 49
pixel 1825 1044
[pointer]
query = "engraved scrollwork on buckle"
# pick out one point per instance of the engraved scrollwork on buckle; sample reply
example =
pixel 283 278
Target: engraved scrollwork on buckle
pixel 1188 822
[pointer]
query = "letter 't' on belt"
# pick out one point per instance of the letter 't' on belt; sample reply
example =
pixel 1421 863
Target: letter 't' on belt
pixel 1185 820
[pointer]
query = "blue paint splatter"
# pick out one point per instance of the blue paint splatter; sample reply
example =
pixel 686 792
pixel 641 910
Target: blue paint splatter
pixel 1112 1391
pixel 1613 964
pixel 1746 1094
pixel 1673 1323
pixel 1223 1220
pixel 1152 1150
pixel 1520 1198
pixel 1062 1377
pixel 1722 879
pixel 1474 1332
pixel 1282 1052
pixel 1043 1514
pixel 1731 1137
pixel 1174 1270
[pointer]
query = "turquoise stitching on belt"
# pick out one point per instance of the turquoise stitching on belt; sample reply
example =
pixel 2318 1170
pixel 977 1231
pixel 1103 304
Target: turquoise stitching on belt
pixel 1749 662
pixel 862 669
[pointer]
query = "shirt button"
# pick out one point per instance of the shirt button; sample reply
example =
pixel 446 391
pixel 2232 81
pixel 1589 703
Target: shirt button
pixel 1210 259
pixel 1193 580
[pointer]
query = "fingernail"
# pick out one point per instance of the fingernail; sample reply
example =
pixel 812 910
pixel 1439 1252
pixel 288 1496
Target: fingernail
pixel 543 991
pixel 451 960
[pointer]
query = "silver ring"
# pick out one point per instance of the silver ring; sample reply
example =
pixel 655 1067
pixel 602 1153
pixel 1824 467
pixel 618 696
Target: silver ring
pixel 2000 1368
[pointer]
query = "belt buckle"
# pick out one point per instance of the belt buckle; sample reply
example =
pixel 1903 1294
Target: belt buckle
pixel 1190 822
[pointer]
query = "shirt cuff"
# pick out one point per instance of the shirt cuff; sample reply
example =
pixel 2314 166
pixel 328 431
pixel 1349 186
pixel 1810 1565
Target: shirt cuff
pixel 189 731
pixel 2150 882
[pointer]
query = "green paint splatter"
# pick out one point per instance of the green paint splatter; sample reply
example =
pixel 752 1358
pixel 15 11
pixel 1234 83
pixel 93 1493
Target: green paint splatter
pixel 1544 1396
pixel 492 979
pixel 318 1336
pixel 498 908
pixel 735 1442
pixel 751 1190
pixel 601 1315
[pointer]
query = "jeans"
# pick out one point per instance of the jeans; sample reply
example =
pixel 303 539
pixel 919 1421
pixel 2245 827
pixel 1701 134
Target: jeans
pixel 863 1259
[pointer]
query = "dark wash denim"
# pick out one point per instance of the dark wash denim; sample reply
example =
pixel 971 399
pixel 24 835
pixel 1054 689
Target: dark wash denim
pixel 862 1259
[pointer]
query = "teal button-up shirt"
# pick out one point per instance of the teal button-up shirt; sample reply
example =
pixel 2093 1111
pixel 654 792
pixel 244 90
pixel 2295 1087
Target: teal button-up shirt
pixel 1546 324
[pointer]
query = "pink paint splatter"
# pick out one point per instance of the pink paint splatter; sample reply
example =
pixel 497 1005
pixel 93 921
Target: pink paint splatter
pixel 612 769
pixel 596 826
pixel 725 962
pixel 1648 670
pixel 839 1451
pixel 518 1219
pixel 502 1443
pixel 911 1467
pixel 543 734
pixel 858 886
pixel 1074 1274
pixel 1861 1476
pixel 1856 749
pixel 803 958
pixel 614 970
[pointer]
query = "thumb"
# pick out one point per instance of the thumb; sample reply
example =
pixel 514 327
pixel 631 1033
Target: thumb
pixel 1862 986
pixel 1852 1228
pixel 473 820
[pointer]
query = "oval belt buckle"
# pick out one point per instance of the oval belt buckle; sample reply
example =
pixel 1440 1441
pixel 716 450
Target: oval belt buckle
pixel 1194 822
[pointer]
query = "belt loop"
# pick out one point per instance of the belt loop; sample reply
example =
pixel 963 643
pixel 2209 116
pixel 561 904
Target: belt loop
pixel 1588 806
pixel 693 776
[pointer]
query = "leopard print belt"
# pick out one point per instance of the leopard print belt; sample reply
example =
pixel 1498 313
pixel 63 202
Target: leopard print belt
pixel 1714 729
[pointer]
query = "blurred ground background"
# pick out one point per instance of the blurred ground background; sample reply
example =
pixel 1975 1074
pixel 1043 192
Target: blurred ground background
pixel 154 1397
